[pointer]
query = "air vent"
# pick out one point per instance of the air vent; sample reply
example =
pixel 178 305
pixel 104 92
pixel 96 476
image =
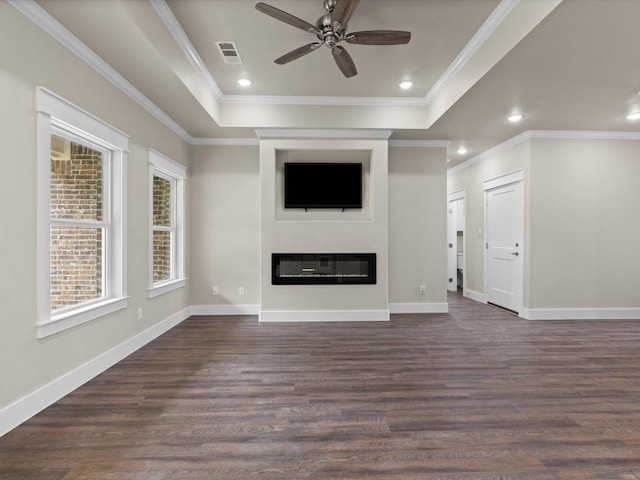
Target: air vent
pixel 229 52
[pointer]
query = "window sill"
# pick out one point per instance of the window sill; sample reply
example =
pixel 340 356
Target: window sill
pixel 78 316
pixel 165 287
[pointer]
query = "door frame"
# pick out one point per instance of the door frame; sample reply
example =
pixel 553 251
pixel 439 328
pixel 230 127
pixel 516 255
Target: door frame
pixel 452 264
pixel 491 184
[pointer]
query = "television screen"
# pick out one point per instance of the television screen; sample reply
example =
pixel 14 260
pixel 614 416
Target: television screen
pixel 323 185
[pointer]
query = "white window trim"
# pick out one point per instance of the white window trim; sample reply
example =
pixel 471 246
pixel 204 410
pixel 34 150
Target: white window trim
pixel 165 167
pixel 55 112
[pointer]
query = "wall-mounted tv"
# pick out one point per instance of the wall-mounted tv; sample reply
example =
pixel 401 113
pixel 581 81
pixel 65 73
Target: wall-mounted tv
pixel 322 185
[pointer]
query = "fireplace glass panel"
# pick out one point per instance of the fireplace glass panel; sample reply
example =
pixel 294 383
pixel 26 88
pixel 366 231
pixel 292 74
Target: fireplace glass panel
pixel 323 268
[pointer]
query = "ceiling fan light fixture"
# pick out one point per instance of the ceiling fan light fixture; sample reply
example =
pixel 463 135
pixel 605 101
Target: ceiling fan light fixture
pixel 516 117
pixel 406 85
pixel 633 116
pixel 244 82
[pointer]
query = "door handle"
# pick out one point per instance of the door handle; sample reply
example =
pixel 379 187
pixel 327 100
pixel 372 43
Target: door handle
pixel 514 253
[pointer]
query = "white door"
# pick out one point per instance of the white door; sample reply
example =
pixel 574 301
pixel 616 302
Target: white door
pixel 503 236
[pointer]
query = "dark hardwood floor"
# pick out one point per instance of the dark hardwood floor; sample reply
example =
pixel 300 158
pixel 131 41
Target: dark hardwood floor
pixel 474 394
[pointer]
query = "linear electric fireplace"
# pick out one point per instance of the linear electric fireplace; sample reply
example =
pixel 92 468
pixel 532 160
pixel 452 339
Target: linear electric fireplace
pixel 323 268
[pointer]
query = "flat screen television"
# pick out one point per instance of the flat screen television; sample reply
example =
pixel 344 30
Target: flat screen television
pixel 322 185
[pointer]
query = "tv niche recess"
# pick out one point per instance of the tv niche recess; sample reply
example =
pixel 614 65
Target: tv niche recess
pixel 323 268
pixel 322 185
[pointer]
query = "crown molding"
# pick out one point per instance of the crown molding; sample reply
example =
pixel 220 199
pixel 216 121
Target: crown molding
pixel 584 135
pixel 317 133
pixel 240 142
pixel 39 16
pixel 548 135
pixel 485 31
pixel 233 142
pixel 171 22
pixel 420 143
pixel 323 101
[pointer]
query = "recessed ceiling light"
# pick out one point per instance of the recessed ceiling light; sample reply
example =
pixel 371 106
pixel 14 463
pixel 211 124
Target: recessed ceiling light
pixel 515 117
pixel 633 116
pixel 462 151
pixel 406 85
pixel 244 82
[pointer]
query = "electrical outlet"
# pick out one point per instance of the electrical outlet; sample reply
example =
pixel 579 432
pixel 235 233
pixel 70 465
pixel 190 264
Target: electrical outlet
pixel 241 291
pixel 214 290
pixel 423 289
pixel 140 313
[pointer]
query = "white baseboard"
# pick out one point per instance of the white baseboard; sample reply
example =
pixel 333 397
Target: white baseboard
pixel 325 316
pixel 419 307
pixel 225 309
pixel 477 296
pixel 21 410
pixel 580 313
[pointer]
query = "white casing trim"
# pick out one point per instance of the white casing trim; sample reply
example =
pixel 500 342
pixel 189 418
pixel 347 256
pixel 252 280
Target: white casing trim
pixel 580 313
pixel 166 287
pixel 225 309
pixel 232 142
pixel 323 101
pixel 21 410
pixel 325 316
pixel 323 133
pixel 503 180
pixel 419 143
pixel 418 308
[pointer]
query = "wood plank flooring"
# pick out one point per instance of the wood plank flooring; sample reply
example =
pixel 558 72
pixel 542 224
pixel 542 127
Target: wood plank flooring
pixel 474 394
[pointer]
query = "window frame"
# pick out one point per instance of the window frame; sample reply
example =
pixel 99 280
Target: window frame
pixel 168 169
pixel 56 115
pixel 104 224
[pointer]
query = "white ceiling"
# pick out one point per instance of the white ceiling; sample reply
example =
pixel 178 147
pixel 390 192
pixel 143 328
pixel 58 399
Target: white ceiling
pixel 566 65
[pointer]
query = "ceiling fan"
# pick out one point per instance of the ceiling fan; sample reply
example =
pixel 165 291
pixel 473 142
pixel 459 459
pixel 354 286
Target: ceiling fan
pixel 330 30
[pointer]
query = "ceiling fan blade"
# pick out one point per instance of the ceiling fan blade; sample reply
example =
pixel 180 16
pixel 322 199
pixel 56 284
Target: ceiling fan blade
pixel 344 62
pixel 379 37
pixel 297 53
pixel 284 17
pixel 343 11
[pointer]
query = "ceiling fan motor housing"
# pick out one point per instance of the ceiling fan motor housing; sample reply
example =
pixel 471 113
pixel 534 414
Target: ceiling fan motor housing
pixel 329 5
pixel 326 33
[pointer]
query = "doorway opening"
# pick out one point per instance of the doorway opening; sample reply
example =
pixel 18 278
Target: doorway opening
pixel 456 239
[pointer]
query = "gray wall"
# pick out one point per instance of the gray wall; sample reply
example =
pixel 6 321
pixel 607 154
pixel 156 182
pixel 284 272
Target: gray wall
pixel 30 58
pixel 585 224
pixel 417 226
pixel 225 246
pixel 225 250
pixel 581 223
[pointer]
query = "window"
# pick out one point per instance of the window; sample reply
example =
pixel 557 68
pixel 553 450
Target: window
pixel 77 222
pixel 166 244
pixel 80 216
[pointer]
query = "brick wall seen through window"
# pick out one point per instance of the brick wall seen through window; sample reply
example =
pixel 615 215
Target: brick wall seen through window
pixel 163 224
pixel 76 270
